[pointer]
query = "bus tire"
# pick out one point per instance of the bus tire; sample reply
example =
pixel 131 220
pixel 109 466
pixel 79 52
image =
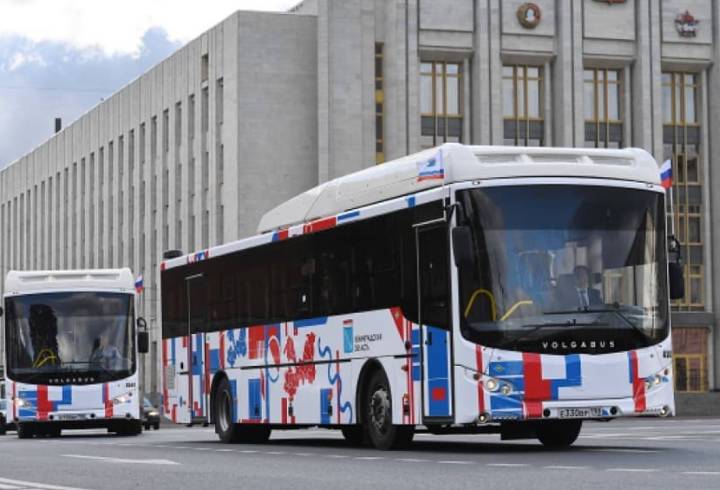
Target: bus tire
pixel 558 433
pixel 130 428
pixel 254 433
pixel 382 433
pixel 354 434
pixel 24 431
pixel 223 402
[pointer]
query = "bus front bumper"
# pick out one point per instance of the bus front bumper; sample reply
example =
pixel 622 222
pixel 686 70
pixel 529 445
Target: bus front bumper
pixel 658 402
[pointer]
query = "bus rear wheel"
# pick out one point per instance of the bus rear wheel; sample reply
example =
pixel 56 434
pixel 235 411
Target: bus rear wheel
pixel 558 433
pixel 383 434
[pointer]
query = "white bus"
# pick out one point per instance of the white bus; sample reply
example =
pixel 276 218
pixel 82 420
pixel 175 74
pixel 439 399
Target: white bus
pixel 71 351
pixel 466 289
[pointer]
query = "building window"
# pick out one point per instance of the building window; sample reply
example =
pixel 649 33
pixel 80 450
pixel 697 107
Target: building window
pixel 379 104
pixel 204 68
pixel 523 105
pixel 603 108
pixel 440 103
pixel 681 139
pixel 690 347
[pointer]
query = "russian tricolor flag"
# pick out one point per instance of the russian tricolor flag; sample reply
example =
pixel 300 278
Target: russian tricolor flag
pixel 666 174
pixel 139 287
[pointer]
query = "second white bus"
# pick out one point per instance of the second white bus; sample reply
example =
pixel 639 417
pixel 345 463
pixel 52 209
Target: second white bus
pixel 72 351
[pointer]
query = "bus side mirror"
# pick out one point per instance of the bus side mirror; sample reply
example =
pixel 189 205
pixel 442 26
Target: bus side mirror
pixel 675 269
pixel 1 311
pixel 677 280
pixel 143 338
pixel 462 244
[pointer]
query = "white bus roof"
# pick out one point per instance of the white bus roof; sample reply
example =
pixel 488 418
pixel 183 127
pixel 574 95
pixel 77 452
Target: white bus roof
pixel 452 163
pixel 24 282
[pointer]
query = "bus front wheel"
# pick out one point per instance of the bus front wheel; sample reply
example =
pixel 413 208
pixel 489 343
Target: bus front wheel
pixel 24 431
pixel 383 434
pixel 558 433
pixel 225 426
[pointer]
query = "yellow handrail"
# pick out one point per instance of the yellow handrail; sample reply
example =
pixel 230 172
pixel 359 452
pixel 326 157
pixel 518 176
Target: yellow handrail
pixel 48 355
pixel 515 307
pixel 475 294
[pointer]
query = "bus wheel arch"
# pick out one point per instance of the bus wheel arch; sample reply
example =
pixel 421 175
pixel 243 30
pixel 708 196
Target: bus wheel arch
pixel 375 413
pixel 219 376
pixel 366 373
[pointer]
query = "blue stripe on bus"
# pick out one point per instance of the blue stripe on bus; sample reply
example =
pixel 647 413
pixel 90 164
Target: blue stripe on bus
pixel 254 399
pixel 325 410
pixel 506 368
pixel 348 216
pixel 311 322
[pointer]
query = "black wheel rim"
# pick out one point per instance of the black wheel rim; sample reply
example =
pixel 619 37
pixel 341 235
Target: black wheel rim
pixel 225 411
pixel 379 410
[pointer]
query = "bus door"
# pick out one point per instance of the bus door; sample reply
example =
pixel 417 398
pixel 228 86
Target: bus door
pixel 433 275
pixel 196 290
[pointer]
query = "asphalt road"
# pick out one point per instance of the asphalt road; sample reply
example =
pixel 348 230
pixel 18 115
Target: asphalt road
pixel 640 453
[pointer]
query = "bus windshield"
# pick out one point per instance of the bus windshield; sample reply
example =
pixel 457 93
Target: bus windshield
pixel 565 268
pixel 70 337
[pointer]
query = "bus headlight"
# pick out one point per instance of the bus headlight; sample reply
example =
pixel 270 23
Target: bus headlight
pixel 124 398
pixel 21 402
pixel 498 386
pixel 655 380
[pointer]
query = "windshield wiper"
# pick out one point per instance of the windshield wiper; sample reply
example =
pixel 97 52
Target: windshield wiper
pixel 534 327
pixel 616 310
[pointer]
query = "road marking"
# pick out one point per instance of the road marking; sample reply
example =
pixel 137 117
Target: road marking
pixel 561 467
pixel 368 458
pixel 275 453
pixel 633 470
pixel 26 484
pixel 248 451
pixel 454 462
pixel 337 456
pixel 303 454
pixel 507 465
pixel 621 450
pixel 122 460
pixel 705 473
pixel 411 460
pixel 224 450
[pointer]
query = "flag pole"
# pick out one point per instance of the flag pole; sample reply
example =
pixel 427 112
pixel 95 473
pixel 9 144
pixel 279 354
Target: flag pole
pixel 672 211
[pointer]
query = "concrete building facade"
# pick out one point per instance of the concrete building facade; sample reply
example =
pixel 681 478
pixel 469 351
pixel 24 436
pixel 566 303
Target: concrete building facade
pixel 266 105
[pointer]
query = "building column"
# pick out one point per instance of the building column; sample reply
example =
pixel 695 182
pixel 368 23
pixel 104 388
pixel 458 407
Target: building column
pixel 496 66
pixel 641 83
pixel 563 96
pixel 712 106
pixel 480 95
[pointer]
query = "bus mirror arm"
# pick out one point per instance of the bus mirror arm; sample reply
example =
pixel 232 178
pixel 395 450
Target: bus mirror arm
pixel 143 338
pixel 676 273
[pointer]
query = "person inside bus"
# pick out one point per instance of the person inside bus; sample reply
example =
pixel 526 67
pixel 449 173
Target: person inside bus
pixel 105 353
pixel 43 332
pixel 579 293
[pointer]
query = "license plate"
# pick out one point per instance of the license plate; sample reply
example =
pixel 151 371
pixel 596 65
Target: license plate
pixel 580 413
pixel 71 416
